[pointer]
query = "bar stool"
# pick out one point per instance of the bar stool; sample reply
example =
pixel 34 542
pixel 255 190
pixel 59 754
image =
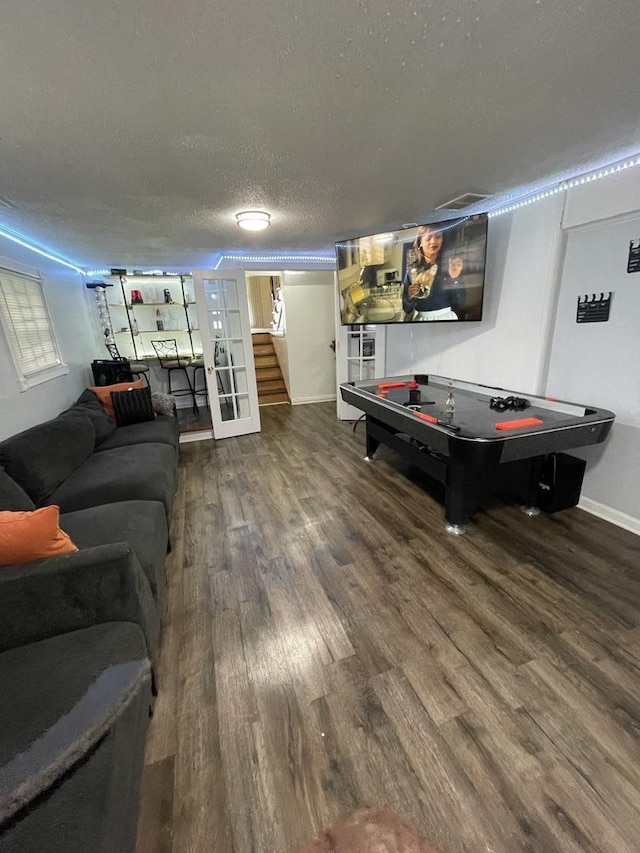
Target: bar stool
pixel 198 364
pixel 170 360
pixel 137 368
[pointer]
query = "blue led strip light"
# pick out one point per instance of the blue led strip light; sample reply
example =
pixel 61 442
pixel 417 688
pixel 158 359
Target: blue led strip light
pixel 317 259
pixel 16 238
pixel 563 186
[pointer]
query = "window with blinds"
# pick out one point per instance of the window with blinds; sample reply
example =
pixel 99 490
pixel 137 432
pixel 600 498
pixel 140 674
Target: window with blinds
pixel 30 335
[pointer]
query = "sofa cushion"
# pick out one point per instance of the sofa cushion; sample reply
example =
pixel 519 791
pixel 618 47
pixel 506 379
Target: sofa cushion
pixel 41 458
pixel 140 523
pixel 46 678
pixel 89 403
pixel 103 393
pixel 74 717
pixel 139 472
pixel 163 430
pixel 27 536
pixel 132 406
pixel 12 496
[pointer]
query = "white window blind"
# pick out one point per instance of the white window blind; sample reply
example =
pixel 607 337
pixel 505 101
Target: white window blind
pixel 28 327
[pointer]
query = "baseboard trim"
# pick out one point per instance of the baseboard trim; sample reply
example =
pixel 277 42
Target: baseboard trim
pixel 195 435
pixel 620 519
pixel 322 398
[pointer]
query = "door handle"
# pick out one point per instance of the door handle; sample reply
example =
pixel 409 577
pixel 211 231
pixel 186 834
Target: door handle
pixel 209 369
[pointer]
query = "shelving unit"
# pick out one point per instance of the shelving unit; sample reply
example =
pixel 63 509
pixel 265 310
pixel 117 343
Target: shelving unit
pixel 135 324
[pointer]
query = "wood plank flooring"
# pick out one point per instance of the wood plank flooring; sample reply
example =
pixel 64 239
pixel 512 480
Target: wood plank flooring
pixel 327 646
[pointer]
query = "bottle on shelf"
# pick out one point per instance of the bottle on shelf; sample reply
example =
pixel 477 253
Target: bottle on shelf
pixel 159 320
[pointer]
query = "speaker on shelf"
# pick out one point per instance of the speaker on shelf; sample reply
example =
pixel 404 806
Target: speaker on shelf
pixel 110 372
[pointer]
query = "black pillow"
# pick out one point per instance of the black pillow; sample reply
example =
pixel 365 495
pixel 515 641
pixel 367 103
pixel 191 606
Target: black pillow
pixel 132 406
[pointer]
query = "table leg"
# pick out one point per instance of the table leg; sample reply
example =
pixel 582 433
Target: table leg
pixel 462 487
pixel 371 443
pixel 531 495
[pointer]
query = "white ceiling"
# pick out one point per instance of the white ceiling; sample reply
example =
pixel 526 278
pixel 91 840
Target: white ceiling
pixel 132 130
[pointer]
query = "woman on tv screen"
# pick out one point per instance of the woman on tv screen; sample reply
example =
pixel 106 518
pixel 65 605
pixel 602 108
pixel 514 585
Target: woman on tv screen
pixel 431 292
pixel 431 272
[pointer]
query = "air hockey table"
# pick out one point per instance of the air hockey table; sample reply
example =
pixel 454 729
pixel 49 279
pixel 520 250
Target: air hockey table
pixel 481 447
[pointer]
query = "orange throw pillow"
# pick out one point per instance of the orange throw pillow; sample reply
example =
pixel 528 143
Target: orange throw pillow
pixel 27 536
pixel 103 392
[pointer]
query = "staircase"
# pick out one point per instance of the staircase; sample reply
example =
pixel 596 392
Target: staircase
pixel 271 387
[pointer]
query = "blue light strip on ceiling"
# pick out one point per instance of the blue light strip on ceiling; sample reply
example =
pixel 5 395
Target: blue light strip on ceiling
pixel 563 186
pixel 265 259
pixel 16 238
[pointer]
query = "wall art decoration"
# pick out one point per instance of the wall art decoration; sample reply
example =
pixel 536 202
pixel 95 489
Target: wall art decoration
pixel 594 310
pixel 633 264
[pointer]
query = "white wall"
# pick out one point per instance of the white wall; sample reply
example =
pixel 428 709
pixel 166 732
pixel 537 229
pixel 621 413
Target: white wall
pixel 613 197
pixel 281 347
pixel 309 301
pixel 599 363
pixel 508 347
pixel 71 309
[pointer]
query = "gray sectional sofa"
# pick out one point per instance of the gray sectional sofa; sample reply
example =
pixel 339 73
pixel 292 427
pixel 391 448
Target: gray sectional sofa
pixel 102 607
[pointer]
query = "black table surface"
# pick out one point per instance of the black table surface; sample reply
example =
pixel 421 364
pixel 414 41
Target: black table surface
pixel 470 434
pixel 473 416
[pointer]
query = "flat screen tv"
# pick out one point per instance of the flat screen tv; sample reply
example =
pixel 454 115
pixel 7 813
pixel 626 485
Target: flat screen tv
pixel 431 272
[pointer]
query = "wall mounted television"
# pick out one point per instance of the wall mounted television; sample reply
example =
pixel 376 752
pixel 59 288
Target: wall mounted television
pixel 431 272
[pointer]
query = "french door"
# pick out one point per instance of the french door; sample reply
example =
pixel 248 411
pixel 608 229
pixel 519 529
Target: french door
pixel 223 309
pixel 360 355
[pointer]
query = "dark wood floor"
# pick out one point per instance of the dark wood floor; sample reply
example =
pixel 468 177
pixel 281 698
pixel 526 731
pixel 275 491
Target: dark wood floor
pixel 191 421
pixel 328 646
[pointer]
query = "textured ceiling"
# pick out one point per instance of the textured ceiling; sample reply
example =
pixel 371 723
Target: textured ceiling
pixel 132 130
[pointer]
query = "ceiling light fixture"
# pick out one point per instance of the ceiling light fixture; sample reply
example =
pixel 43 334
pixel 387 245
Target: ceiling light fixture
pixel 253 220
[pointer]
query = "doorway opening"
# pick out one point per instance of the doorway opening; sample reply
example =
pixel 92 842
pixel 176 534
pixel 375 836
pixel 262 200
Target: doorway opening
pixel 266 315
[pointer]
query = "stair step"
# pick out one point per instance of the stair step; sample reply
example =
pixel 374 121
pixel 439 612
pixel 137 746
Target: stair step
pixel 266 361
pixel 262 349
pixel 271 385
pixel 261 338
pixel 273 397
pixel 268 373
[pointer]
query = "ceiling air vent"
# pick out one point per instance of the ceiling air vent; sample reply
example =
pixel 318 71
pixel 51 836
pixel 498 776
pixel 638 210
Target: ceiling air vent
pixel 460 202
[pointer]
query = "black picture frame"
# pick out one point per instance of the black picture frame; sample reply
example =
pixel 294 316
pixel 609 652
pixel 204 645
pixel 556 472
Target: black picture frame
pixel 368 348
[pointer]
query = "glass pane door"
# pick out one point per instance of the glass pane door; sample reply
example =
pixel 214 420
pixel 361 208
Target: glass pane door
pixel 360 356
pixel 228 354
